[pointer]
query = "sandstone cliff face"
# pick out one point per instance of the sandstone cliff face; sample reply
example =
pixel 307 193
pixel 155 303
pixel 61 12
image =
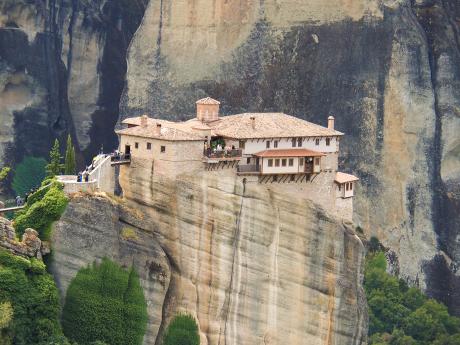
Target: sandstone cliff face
pixel 62 67
pixel 90 229
pixel 252 264
pixel 255 265
pixel 388 71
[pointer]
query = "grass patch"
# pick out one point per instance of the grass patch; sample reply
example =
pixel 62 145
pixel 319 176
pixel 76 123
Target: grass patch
pixel 128 233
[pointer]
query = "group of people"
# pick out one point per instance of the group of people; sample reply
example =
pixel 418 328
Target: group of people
pixel 20 201
pixel 218 149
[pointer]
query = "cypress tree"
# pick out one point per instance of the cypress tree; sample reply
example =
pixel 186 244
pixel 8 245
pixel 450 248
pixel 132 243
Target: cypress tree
pixel 69 163
pixel 54 167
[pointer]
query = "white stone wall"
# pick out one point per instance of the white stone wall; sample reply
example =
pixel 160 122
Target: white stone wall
pixel 253 145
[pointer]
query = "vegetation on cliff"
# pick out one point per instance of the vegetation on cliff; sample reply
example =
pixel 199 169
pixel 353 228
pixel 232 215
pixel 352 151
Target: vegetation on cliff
pixel 43 208
pixel 29 303
pixel 399 314
pixel 182 330
pixel 105 303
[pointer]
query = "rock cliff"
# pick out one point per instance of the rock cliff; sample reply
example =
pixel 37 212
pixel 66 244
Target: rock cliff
pixel 62 69
pixel 389 72
pixel 254 265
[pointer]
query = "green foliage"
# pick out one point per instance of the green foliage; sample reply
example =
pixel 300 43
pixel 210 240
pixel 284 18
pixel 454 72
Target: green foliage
pixel 34 300
pixel 43 208
pixel 69 162
pixel 182 330
pixel 375 245
pixel 54 167
pixel 4 173
pixel 105 303
pixel 28 174
pixel 402 315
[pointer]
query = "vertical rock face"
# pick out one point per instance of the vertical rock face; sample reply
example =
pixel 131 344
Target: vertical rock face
pixel 91 229
pixel 388 71
pixel 254 265
pixel 62 68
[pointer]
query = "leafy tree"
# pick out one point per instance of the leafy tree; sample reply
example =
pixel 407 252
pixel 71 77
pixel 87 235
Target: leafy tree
pixel 105 303
pixel 402 315
pixel 4 173
pixel 182 330
pixel 33 296
pixel 69 163
pixel 55 166
pixel 28 174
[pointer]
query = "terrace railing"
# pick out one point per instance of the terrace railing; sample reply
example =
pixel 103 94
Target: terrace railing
pixel 248 168
pixel 223 154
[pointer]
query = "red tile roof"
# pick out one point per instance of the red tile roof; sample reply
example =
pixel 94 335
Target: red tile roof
pixel 341 177
pixel 289 153
pixel 207 100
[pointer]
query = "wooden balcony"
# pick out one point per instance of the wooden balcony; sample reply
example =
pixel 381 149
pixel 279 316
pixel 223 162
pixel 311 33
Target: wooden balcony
pixel 120 159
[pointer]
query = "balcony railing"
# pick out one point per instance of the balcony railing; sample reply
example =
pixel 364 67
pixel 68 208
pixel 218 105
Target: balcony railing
pixel 248 168
pixel 223 154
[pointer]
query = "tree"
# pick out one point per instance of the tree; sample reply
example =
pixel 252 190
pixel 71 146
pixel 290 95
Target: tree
pixel 105 303
pixel 28 174
pixel 69 163
pixel 4 173
pixel 182 330
pixel 54 167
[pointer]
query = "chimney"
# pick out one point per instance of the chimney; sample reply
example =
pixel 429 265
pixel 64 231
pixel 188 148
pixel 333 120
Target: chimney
pixel 144 120
pixel 330 122
pixel 158 129
pixel 253 122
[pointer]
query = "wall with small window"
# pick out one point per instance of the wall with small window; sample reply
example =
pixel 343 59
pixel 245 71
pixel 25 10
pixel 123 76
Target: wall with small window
pixel 252 146
pixel 345 190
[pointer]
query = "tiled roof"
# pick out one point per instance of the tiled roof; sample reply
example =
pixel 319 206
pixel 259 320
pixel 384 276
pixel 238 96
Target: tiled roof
pixel 167 133
pixel 268 125
pixel 289 153
pixel 341 177
pixel 207 100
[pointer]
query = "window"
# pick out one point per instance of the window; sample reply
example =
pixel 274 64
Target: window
pixel 277 162
pixel 351 185
pixel 294 141
pixel 328 141
pixel 242 144
pixel 248 160
pixel 270 162
pixel 275 144
pixel 136 145
pixel 300 161
pixel 267 144
pixel 299 142
pixel 317 142
pixel 283 162
pixel 149 146
pixel 340 187
pixel 291 162
pixel 346 185
pixel 163 149
pixel 316 161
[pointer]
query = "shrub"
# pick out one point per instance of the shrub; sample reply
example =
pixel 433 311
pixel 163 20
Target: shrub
pixel 182 330
pixel 34 300
pixel 43 208
pixel 402 315
pixel 28 174
pixel 105 303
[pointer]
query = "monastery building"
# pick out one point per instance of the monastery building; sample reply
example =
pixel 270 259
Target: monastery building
pixel 265 148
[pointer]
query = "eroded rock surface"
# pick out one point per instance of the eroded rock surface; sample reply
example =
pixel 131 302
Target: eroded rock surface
pixel 91 229
pixel 254 264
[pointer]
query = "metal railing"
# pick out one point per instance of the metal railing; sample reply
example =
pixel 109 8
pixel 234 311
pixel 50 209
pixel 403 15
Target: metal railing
pixel 120 157
pixel 248 168
pixel 234 153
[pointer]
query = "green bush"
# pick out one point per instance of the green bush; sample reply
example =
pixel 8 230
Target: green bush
pixel 43 208
pixel 182 330
pixel 28 174
pixel 34 300
pixel 105 303
pixel 402 315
